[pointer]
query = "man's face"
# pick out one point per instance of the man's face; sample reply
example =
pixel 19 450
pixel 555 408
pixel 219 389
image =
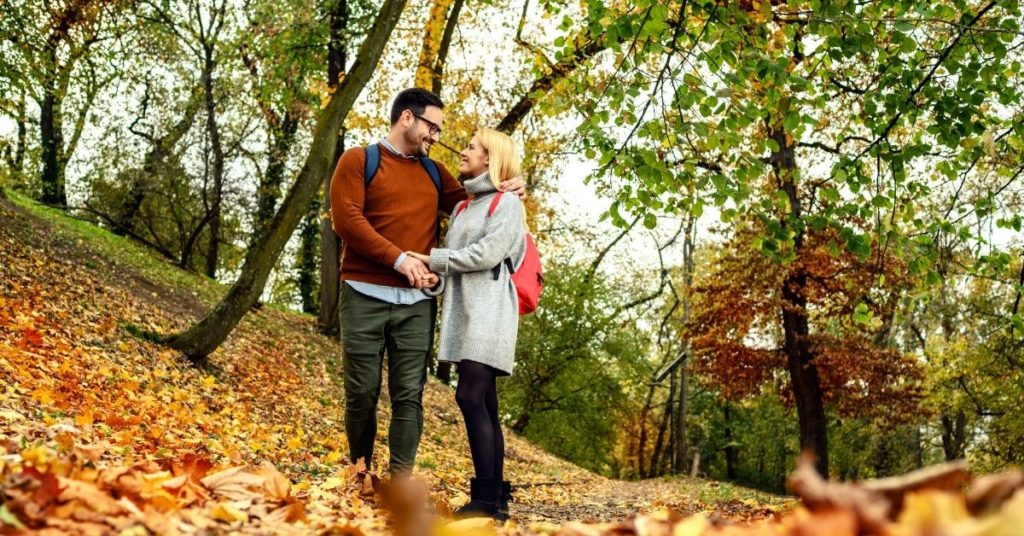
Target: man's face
pixel 422 130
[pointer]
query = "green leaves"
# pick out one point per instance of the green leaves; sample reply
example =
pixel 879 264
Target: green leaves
pixel 862 315
pixel 896 121
pixel 858 244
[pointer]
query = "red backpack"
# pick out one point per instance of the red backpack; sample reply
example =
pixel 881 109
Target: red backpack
pixel 529 277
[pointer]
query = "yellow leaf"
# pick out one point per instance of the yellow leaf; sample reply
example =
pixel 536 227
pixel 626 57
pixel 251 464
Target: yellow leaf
pixel 474 526
pixel 85 418
pixel 227 514
pixel 160 475
pixel 694 525
pixel 209 381
pixel 294 443
pixel 36 456
pixel 333 457
pixel 43 396
pixel 331 483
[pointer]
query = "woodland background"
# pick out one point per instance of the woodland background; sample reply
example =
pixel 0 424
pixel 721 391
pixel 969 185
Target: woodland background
pixel 810 230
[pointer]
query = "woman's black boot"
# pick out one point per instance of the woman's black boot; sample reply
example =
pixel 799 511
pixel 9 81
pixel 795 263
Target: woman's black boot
pixel 503 498
pixel 484 494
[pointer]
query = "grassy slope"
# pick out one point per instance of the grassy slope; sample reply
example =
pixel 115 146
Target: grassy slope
pixel 74 377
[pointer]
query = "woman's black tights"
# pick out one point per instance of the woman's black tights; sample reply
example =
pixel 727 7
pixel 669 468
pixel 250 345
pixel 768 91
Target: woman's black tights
pixel 477 396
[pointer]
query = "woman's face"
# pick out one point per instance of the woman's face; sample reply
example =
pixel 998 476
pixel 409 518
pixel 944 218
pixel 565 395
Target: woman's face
pixel 474 159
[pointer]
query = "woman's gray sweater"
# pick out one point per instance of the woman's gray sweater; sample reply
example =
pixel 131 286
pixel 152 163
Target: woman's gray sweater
pixel 480 314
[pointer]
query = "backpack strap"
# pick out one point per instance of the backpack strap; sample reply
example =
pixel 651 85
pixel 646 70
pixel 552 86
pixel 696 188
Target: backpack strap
pixel 461 206
pixel 490 211
pixel 507 262
pixel 435 174
pixel 496 271
pixel 494 203
pixel 372 163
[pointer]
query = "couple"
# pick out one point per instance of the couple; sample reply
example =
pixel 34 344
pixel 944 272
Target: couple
pixel 384 203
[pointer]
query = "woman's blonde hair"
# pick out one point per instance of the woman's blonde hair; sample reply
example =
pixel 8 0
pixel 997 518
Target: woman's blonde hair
pixel 502 154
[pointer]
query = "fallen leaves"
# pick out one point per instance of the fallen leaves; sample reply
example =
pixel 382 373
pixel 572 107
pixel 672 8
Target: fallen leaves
pixel 105 433
pixel 68 496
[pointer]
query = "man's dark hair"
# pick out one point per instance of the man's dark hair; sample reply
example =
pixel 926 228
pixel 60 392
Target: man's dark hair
pixel 415 100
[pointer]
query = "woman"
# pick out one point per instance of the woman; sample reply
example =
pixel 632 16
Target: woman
pixel 480 312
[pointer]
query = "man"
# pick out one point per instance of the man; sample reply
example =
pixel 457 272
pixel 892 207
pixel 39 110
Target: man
pixel 382 306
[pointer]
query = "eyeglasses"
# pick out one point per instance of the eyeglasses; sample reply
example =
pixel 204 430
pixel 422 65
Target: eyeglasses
pixel 433 128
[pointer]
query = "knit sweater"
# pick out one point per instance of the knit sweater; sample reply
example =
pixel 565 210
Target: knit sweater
pixel 396 213
pixel 480 314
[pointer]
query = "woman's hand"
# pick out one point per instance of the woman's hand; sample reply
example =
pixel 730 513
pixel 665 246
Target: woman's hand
pixel 419 256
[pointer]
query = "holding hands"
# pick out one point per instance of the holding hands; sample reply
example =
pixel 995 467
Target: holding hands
pixel 425 259
pixel 415 269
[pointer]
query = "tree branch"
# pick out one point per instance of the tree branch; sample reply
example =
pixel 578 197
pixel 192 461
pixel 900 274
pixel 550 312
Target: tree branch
pixel 931 73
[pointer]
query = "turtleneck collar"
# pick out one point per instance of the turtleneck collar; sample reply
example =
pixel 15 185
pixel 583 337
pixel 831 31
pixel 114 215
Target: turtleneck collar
pixel 479 185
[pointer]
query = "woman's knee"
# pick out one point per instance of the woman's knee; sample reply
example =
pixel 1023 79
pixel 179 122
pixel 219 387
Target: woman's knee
pixel 469 397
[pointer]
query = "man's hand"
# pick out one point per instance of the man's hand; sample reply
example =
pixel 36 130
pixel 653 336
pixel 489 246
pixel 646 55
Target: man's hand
pixel 428 280
pixel 414 270
pixel 515 185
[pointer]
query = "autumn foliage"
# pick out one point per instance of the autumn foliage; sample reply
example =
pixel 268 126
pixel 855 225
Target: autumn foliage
pixel 737 328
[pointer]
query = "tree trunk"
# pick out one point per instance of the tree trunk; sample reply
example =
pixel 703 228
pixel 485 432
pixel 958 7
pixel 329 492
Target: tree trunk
pixel 217 147
pixel 436 23
pixel 954 426
pixel 330 245
pixel 918 448
pixel 204 337
pixel 810 407
pixel 330 259
pixel 282 137
pixel 954 435
pixel 681 447
pixel 673 423
pixel 655 468
pixel 682 453
pixel 51 133
pixel 731 453
pixel 308 257
pixel 641 453
pixel 523 421
pixel 16 158
pixel 444 17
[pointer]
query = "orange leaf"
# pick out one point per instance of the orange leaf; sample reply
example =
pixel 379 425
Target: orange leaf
pixel 32 336
pixel 48 489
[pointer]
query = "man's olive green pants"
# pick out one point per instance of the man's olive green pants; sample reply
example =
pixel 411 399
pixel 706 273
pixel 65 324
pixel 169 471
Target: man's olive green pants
pixel 369 327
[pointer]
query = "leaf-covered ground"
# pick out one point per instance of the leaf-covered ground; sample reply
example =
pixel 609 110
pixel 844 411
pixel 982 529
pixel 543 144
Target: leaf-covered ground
pixel 104 432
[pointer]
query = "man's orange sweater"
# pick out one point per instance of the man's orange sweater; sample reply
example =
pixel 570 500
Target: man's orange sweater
pixel 398 212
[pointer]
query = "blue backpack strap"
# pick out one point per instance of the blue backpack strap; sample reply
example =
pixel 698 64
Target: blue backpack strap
pixel 435 175
pixel 372 163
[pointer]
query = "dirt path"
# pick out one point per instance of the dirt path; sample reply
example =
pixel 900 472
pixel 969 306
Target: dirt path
pixel 603 501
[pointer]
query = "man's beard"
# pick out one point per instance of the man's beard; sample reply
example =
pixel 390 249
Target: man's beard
pixel 414 146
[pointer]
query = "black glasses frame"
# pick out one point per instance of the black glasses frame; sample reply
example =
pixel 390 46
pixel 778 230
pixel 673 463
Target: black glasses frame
pixel 433 128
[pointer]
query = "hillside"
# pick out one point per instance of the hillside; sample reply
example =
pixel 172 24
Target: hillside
pixel 104 431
